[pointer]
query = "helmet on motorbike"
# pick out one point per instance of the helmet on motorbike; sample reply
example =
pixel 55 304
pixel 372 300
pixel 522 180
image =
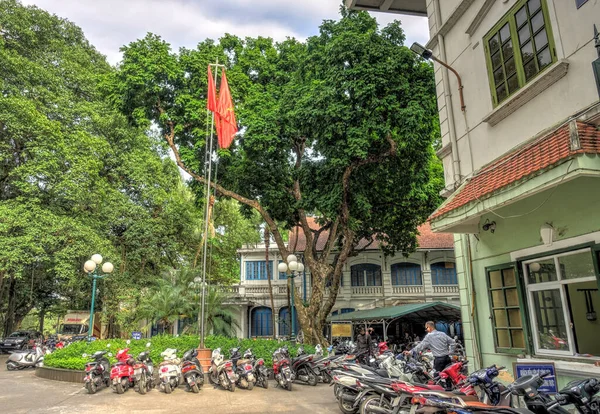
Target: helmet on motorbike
pixel 382 347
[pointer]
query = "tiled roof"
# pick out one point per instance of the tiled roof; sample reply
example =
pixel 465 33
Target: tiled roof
pixel 523 162
pixel 426 239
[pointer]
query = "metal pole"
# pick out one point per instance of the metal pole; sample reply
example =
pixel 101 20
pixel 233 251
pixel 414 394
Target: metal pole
pixel 292 310
pixel 206 219
pixel 91 327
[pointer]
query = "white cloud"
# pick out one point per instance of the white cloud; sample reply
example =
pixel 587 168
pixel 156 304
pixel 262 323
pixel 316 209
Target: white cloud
pixel 110 24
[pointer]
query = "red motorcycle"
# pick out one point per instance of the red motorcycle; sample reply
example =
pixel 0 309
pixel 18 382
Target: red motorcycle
pixel 122 375
pixel 281 368
pixel 454 377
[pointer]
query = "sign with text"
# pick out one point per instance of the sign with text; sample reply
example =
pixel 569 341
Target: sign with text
pixel 550 385
pixel 136 335
pixel 343 330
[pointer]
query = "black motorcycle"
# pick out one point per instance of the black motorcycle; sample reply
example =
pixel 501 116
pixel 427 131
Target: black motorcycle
pixel 261 373
pixel 536 401
pixel 97 371
pixel 582 394
pixel 302 369
pixel 243 368
pixel 191 371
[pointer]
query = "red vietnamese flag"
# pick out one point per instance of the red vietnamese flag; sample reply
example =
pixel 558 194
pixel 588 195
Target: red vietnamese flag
pixel 228 126
pixel 211 99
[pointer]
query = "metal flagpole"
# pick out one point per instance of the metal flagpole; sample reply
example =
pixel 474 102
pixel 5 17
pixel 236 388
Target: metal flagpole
pixel 207 215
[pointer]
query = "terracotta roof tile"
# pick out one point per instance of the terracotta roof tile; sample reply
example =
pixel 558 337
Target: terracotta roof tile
pixel 426 238
pixel 523 162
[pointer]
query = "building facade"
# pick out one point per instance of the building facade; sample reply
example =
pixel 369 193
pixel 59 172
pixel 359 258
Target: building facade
pixel 522 170
pixel 369 280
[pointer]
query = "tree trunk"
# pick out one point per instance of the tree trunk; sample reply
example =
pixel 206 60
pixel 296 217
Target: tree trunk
pixel 9 320
pixel 41 317
pixel 267 237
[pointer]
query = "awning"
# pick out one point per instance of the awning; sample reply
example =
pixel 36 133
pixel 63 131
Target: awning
pixel 416 312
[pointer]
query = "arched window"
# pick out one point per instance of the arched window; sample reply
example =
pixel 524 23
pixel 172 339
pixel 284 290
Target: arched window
pixel 443 273
pixel 346 310
pixel 284 321
pixel 406 274
pixel 262 321
pixel 366 275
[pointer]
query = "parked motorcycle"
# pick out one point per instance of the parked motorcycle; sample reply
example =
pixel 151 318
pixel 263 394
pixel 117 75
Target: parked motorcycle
pixel 97 371
pixel 143 371
pixel 281 368
pixel 243 369
pixel 493 392
pixel 582 394
pixel 261 373
pixel 169 370
pixel 122 374
pixel 222 372
pixel 192 371
pixel 302 368
pixel 25 359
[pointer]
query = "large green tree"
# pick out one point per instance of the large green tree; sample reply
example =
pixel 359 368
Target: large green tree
pixel 339 127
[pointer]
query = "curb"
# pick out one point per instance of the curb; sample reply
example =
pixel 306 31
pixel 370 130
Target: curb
pixel 60 374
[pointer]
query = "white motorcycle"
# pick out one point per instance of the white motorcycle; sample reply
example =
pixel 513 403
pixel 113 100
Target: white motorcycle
pixel 169 370
pixel 222 372
pixel 26 359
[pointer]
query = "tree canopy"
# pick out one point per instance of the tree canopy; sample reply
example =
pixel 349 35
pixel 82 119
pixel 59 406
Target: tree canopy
pixel 340 127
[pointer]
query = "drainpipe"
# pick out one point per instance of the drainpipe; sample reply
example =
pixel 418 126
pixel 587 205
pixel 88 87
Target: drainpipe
pixel 457 176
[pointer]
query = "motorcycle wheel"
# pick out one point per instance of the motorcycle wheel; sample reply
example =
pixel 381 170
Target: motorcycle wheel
pixel 372 401
pixel 312 379
pixel 120 389
pixel 195 389
pixel 91 387
pixel 289 386
pixel 336 390
pixel 143 387
pixel 232 386
pixel 168 388
pixel 326 378
pixel 346 406
pixel 265 383
pixel 10 366
pixel 250 386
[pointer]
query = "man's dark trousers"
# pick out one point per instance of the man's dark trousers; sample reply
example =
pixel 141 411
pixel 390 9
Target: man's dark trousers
pixel 439 363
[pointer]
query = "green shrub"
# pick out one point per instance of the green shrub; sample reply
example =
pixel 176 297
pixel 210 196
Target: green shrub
pixel 71 357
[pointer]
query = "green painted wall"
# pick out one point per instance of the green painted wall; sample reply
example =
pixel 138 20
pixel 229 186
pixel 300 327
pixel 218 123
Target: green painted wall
pixel 573 208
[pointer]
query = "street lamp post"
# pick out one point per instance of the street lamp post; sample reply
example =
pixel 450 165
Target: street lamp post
pixel 90 267
pixel 293 266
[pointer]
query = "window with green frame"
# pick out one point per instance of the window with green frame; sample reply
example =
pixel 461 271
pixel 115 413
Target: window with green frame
pixel 518 48
pixel 506 312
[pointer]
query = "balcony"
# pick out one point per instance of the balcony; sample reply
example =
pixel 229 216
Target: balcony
pixel 408 290
pixel 445 289
pixel 367 290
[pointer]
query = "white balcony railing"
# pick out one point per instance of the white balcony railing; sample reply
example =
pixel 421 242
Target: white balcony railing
pixel 445 288
pixel 408 290
pixel 367 290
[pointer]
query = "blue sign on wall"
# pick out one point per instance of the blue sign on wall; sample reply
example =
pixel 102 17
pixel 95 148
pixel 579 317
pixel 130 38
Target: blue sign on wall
pixel 136 335
pixel 550 385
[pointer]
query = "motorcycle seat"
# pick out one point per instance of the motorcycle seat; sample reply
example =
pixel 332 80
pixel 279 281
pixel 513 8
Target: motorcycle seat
pixel 243 361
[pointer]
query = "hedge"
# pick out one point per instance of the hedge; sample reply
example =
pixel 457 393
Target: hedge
pixel 71 357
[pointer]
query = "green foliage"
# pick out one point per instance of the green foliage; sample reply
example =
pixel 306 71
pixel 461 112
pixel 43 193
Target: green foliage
pixel 71 356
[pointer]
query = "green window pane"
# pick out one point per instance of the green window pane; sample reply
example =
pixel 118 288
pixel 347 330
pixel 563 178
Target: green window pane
pixel 518 339
pixel 498 299
pixel 501 92
pixel 527 51
pixel 521 16
pixel 500 318
pixel 575 266
pixel 533 5
pixel 509 277
pixel 495 279
pixel 541 40
pixel 494 44
pixel 505 33
pixel 507 50
pixel 496 60
pixel 502 338
pixel 512 297
pixel 514 318
pixel 544 58
pixel 537 22
pixel 524 34
pixel 551 326
pixel 542 271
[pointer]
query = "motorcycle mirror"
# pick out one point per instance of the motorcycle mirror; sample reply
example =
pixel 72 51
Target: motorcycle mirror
pixel 128 342
pixel 84 355
pixel 148 345
pixel 110 354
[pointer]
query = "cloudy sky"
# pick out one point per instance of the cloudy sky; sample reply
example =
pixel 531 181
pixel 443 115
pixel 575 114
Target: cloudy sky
pixel 109 24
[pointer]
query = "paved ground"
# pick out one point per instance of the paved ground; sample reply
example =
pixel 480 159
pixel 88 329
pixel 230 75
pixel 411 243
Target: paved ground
pixel 23 392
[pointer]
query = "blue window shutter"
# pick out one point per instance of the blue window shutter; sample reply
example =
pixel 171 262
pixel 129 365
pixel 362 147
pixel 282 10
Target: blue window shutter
pixel 442 275
pixel 366 274
pixel 249 275
pixel 406 274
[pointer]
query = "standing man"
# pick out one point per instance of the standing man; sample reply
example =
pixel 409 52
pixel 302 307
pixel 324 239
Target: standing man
pixel 439 343
pixel 363 342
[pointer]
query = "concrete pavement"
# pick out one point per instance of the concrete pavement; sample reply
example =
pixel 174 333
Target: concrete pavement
pixel 23 392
